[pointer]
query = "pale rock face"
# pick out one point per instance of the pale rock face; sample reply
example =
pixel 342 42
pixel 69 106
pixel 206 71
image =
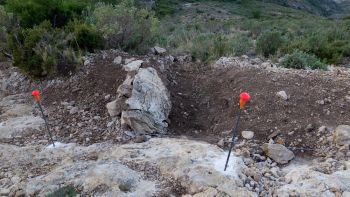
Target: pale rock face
pixel 198 166
pixel 119 179
pixel 306 182
pixel 189 162
pixel 278 153
pixel 342 135
pixel 149 103
pixel 16 118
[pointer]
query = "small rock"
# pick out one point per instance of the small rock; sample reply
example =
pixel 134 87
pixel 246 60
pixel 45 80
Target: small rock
pixel 133 66
pixel 221 143
pixel 129 60
pixel 320 102
pixel 117 60
pixel 278 153
pixel 73 110
pixel 347 98
pixel 140 139
pixel 87 62
pixel 342 135
pixel 283 95
pixel 322 129
pixel 309 128
pixel 247 134
pixel 158 50
pixel 274 134
pixel 107 97
pixel 109 124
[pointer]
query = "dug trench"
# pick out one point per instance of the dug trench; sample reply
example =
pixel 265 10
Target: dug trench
pixel 205 101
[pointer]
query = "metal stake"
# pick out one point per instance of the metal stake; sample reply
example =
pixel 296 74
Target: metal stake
pixel 46 123
pixel 234 130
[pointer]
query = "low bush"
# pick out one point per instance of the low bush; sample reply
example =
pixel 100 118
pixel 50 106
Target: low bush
pixel 241 44
pixel 43 50
pixel 86 36
pixel 302 60
pixel 268 43
pixel 124 26
pixel 67 191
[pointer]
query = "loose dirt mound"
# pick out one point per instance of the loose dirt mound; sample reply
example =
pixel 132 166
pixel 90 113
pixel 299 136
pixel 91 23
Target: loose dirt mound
pixel 205 100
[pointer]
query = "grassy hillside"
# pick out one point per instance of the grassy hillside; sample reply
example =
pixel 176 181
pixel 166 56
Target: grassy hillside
pixel 210 29
pixel 50 37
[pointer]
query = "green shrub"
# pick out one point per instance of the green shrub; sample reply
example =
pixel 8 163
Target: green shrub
pixel 256 14
pixel 241 44
pixel 268 43
pixel 58 12
pixel 87 37
pixel 302 60
pixel 4 23
pixel 124 26
pixel 67 191
pixel 166 7
pixel 43 50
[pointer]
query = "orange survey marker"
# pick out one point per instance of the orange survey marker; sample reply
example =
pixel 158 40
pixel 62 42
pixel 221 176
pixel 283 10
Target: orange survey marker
pixel 37 98
pixel 244 98
pixel 36 95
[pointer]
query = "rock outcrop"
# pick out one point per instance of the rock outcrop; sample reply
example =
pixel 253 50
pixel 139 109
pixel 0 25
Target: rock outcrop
pixel 114 170
pixel 143 101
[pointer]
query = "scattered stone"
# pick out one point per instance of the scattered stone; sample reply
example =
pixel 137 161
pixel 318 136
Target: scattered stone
pixel 347 98
pixel 283 95
pixel 342 135
pixel 322 129
pixel 158 50
pixel 118 60
pixel 140 139
pixel 310 128
pixel 128 60
pixel 74 110
pixel 221 143
pixel 278 153
pixel 107 97
pixel 115 107
pixel 320 102
pixel 274 134
pixel 248 135
pixel 133 66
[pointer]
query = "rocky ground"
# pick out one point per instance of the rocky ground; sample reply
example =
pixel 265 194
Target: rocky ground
pixel 290 142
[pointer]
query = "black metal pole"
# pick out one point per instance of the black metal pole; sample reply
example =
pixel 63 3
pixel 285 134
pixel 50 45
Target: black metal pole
pixel 46 123
pixel 234 131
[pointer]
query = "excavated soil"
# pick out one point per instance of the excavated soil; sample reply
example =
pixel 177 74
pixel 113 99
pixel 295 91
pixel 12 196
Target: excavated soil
pixel 205 100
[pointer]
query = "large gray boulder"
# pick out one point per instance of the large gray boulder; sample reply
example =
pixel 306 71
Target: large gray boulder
pixel 278 153
pixel 149 105
pixel 143 101
pixel 342 135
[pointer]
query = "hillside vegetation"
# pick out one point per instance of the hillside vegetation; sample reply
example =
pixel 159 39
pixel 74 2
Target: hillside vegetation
pixel 50 37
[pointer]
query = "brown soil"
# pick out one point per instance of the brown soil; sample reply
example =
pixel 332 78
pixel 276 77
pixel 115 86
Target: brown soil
pixel 205 101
